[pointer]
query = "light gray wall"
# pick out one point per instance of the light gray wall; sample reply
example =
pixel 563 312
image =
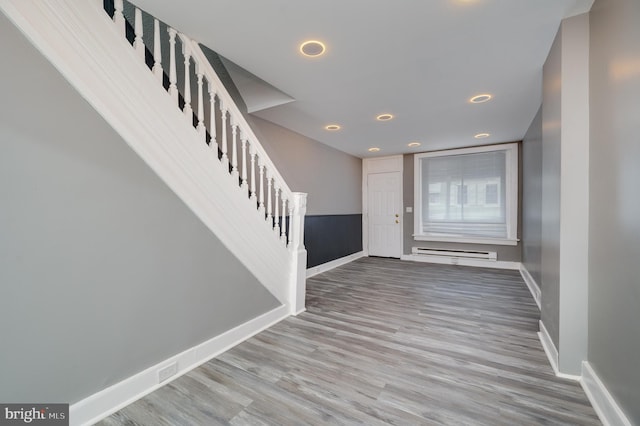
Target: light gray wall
pixel 550 226
pixel 504 253
pixel 614 231
pixel 332 178
pixel 574 192
pixel 532 198
pixel 104 271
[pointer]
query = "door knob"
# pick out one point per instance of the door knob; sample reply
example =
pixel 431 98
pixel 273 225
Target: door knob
pixel 397 221
pixel 397 215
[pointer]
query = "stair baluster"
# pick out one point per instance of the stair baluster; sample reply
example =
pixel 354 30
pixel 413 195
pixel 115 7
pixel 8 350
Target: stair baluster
pixel 269 195
pixel 252 153
pixel 138 42
pixel 276 216
pixel 290 224
pixel 261 181
pixel 186 51
pixel 173 80
pixel 118 16
pixel 244 185
pixel 202 130
pixel 283 226
pixel 157 52
pixel 212 119
pixel 223 141
pixel 234 151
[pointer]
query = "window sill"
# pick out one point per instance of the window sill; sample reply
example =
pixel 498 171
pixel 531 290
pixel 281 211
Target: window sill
pixel 468 240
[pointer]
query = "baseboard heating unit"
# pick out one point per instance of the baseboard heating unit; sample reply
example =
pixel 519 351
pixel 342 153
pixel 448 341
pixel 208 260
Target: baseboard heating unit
pixel 455 254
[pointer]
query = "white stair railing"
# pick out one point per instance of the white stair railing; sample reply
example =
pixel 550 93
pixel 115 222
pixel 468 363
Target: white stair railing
pixel 220 124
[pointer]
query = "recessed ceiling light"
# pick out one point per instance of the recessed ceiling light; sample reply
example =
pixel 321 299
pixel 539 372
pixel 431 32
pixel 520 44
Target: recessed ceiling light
pixel 374 149
pixel 384 117
pixel 332 127
pixel 478 99
pixel 413 144
pixel 482 135
pixel 312 48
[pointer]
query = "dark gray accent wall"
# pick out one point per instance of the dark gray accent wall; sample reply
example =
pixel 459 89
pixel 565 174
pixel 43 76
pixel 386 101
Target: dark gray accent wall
pixel 504 253
pixel 550 220
pixel 614 229
pixel 103 270
pixel 532 198
pixel 330 237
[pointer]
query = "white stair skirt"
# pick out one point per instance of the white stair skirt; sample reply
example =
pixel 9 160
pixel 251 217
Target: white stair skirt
pixel 90 51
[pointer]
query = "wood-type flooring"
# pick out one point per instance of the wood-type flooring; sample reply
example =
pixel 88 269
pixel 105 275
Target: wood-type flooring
pixel 383 341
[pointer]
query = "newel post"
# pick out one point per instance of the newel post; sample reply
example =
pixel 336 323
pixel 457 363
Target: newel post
pixel 298 280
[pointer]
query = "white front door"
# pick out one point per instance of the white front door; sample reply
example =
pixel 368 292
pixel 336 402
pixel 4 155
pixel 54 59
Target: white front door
pixel 384 214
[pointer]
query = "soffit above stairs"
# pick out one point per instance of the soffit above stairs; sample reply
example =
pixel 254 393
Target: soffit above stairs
pixel 256 93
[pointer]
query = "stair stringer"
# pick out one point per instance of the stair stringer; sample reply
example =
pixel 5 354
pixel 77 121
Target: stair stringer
pixel 80 40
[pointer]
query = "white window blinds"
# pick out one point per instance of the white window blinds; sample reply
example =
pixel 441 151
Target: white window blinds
pixel 467 193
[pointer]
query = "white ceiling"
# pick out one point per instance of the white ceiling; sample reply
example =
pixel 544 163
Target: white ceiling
pixel 420 60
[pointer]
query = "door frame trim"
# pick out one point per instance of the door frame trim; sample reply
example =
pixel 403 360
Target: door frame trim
pixel 392 163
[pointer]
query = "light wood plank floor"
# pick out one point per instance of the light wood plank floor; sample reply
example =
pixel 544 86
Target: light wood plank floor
pixel 383 341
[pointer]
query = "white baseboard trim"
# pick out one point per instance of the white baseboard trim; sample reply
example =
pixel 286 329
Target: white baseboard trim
pixel 548 346
pixel 533 286
pixel 333 264
pixel 106 402
pixel 606 407
pixel 552 353
pixel 499 264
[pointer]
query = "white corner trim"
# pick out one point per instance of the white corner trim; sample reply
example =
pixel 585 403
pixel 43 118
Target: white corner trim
pixel 552 353
pixel 533 286
pixel 602 401
pixel 106 402
pixel 315 270
pixel 499 264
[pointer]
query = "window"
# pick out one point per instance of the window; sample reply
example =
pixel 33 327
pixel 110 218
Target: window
pixel 491 193
pixel 462 194
pixel 467 195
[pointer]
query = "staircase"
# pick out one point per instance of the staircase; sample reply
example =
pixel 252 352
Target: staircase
pixel 180 119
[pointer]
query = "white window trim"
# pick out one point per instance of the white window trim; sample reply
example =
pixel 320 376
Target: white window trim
pixel 511 191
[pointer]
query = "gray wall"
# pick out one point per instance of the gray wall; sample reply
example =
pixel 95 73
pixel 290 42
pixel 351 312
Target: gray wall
pixel 104 271
pixel 550 220
pixel 332 178
pixel 614 231
pixel 504 253
pixel 565 193
pixel 532 198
